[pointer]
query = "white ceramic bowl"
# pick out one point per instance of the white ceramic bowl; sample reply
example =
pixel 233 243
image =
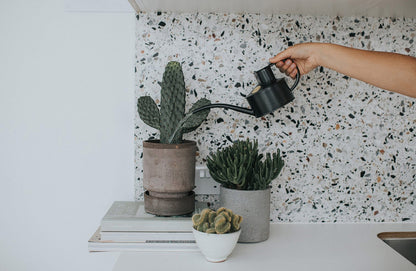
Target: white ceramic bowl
pixel 216 247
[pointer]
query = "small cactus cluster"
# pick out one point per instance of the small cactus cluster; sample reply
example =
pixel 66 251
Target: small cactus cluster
pixel 221 221
pixel 171 120
pixel 240 166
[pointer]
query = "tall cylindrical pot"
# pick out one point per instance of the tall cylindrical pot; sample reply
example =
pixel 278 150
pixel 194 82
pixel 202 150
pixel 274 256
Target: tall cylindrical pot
pixel 169 177
pixel 254 207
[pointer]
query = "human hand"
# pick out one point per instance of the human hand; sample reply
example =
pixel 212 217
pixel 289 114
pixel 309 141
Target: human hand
pixel 304 56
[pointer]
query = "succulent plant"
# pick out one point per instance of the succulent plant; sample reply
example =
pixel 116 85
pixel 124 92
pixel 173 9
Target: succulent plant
pixel 221 221
pixel 171 120
pixel 240 166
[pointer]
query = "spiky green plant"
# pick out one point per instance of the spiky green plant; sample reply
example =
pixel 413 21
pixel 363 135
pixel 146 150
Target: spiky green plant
pixel 221 221
pixel 240 166
pixel 171 120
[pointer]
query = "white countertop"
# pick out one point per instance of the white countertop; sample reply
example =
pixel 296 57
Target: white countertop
pixel 291 247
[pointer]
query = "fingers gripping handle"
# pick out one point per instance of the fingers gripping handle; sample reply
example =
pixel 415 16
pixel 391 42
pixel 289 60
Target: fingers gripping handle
pixel 296 79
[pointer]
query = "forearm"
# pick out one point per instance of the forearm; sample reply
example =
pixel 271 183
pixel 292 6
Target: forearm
pixel 389 71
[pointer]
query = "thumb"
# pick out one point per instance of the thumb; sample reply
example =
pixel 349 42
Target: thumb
pixel 281 56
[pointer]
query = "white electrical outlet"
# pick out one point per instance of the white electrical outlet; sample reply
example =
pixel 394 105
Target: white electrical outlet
pixel 204 184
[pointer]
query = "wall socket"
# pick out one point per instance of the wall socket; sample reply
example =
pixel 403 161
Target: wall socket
pixel 204 184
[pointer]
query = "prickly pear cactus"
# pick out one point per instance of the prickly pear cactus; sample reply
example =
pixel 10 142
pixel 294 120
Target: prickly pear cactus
pixel 221 221
pixel 171 120
pixel 172 102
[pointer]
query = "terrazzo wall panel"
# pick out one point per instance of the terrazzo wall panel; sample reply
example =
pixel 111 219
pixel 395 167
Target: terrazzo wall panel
pixel 349 147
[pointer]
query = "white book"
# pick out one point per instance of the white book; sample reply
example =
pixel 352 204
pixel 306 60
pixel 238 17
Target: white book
pixel 96 244
pixel 131 216
pixel 135 236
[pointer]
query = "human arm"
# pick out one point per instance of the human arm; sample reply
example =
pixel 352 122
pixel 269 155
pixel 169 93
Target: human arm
pixel 390 71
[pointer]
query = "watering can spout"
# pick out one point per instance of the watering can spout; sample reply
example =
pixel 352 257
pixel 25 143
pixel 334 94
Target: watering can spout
pixel 226 106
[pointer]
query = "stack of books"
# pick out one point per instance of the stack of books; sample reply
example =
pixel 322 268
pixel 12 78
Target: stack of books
pixel 127 227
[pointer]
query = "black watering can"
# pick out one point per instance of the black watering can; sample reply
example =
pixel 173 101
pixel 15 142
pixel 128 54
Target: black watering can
pixel 269 95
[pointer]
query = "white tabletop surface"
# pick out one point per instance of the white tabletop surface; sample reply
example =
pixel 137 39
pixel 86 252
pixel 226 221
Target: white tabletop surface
pixel 291 247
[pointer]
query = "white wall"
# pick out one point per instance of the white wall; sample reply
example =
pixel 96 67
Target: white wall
pixel 66 131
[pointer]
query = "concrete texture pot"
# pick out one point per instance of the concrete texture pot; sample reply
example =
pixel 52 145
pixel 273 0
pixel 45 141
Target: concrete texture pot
pixel 254 207
pixel 169 177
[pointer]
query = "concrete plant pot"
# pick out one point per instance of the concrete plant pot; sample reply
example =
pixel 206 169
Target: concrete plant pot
pixel 169 177
pixel 254 207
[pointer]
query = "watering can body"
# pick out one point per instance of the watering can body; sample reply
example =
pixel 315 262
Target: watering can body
pixel 271 93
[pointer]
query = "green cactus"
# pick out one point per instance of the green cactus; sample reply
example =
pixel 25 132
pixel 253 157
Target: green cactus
pixel 236 222
pixel 221 221
pixel 266 170
pixel 211 217
pixel 210 230
pixel 171 120
pixel 203 227
pixel 195 119
pixel 199 219
pixel 240 166
pixel 148 111
pixel 221 210
pixel 230 169
pixel 172 102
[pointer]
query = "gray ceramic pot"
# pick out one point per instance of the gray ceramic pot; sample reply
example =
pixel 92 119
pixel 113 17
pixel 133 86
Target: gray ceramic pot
pixel 254 207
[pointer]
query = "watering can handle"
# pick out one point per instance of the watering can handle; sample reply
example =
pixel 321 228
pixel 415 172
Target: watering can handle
pixel 296 79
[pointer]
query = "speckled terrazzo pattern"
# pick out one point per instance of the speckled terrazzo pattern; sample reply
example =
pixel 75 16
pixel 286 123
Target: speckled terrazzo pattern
pixel 349 147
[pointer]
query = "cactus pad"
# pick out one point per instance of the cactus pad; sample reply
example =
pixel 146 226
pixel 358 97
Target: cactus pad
pixel 172 103
pixel 148 111
pixel 203 227
pixel 210 230
pixel 236 222
pixel 222 223
pixel 196 119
